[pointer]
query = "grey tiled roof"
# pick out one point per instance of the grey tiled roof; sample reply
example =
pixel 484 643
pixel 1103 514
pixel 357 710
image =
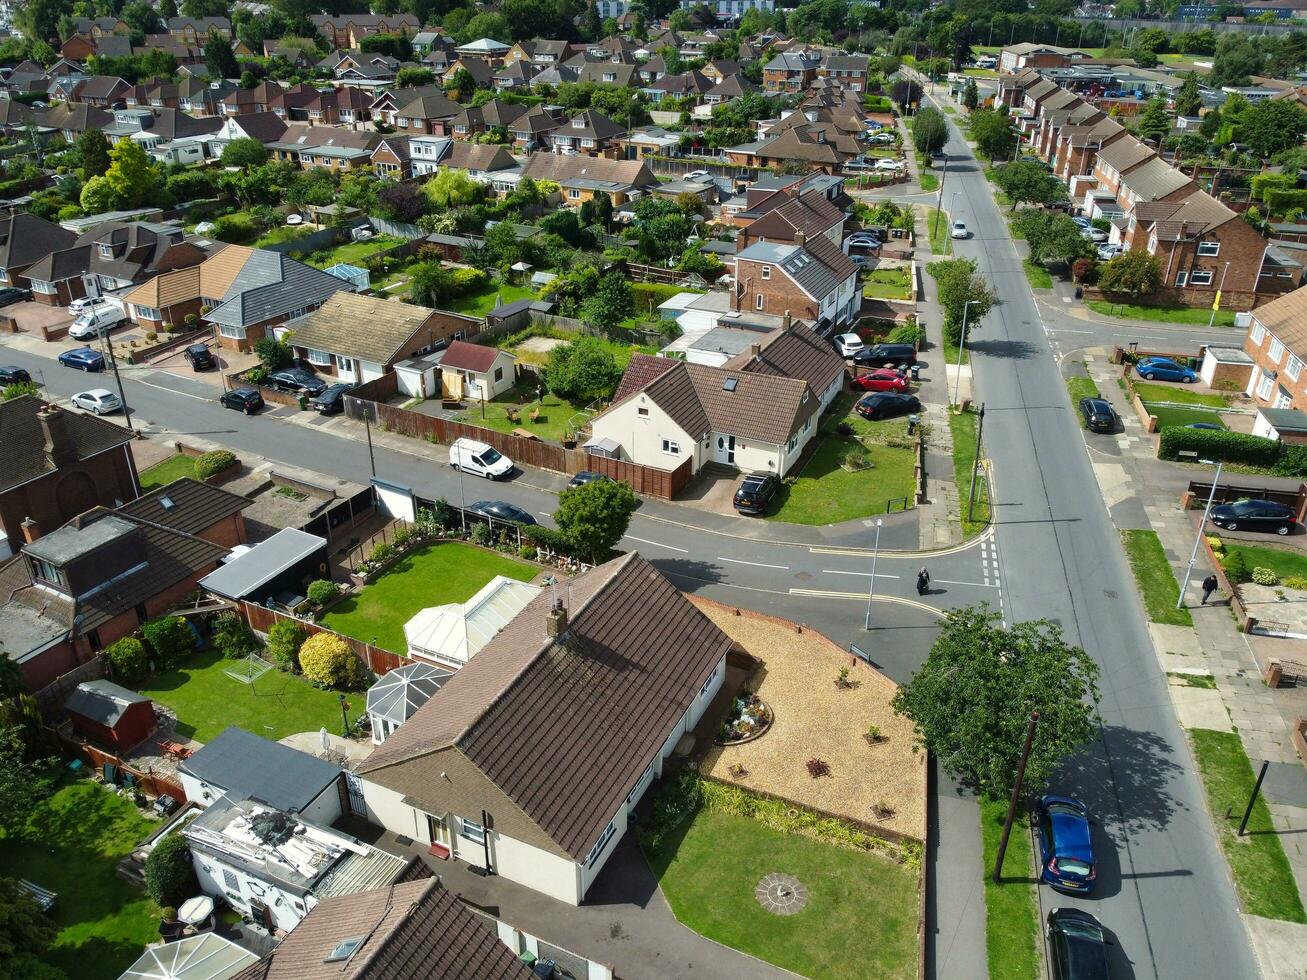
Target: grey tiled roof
pixel 270 285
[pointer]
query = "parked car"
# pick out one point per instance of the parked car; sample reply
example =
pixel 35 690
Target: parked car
pixel 11 374
pixel 860 260
pixel 297 379
pixel 200 357
pixel 1164 369
pixel 859 166
pixel 886 405
pixel 1254 515
pixel 587 476
pixel 1066 852
pixel 83 358
pixel 1098 414
pixel 1108 252
pixel 247 400
pixel 501 510
pixel 96 323
pixel 87 303
pixel 881 379
pixel 98 401
pixel 1093 234
pixel 755 492
pixel 11 294
pixel 1081 222
pixel 848 344
pixel 881 139
pixel 887 355
pixel 884 163
pixel 697 175
pixel 1077 948
pixel 331 400
pixel 863 239
pixel 480 459
pixel 959 230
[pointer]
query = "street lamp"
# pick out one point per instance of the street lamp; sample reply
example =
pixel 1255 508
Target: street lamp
pixel 962 342
pixel 1216 300
pixel 871 589
pixel 1202 526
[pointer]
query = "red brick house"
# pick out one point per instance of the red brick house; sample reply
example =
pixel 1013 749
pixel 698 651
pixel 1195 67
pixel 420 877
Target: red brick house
pixel 810 279
pixel 1277 343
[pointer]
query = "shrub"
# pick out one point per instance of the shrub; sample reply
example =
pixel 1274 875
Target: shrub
pixel 214 462
pixel 818 768
pixel 402 536
pixel 1231 447
pixel 285 638
pixel 1236 568
pixel 233 636
pixel 1298 582
pixel 842 679
pixel 482 535
pixel 906 333
pixel 1216 544
pixel 874 734
pixel 322 591
pixel 127 657
pixel 170 638
pixel 169 873
pixel 273 354
pixel 328 661
pixel 1292 461
pixel 1265 576
pixel 382 553
pixel 256 375
pixel 18 389
pixel 1084 270
pixel 1280 201
pixel 527 552
pixel 236 229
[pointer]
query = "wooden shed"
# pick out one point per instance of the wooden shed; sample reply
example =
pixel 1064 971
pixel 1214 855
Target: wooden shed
pixel 110 715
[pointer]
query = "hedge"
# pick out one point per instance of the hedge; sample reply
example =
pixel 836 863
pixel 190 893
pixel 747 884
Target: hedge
pixel 1229 447
pixel 1263 184
pixel 1280 201
pixel 213 462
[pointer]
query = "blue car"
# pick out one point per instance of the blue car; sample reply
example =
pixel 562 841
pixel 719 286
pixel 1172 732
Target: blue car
pixel 1066 851
pixel 1164 369
pixel 83 358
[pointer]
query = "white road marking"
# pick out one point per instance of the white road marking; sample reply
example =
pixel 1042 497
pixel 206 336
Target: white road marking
pixel 759 564
pixel 658 544
pixel 978 585
pixel 836 571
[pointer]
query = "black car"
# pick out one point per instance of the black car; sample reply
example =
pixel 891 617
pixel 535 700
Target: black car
pixel 887 355
pixel 200 357
pixel 755 492
pixel 11 374
pixel 587 476
pixel 1098 415
pixel 1254 515
pixel 247 400
pixel 887 404
pixel 10 294
pixel 297 380
pixel 501 510
pixel 1077 947
pixel 1209 426
pixel 332 399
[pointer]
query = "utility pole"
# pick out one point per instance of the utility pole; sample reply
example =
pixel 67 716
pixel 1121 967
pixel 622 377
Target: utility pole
pixel 1016 794
pixel 871 589
pixel 939 208
pixel 1257 786
pixel 975 463
pixel 367 427
pixel 1193 555
pixel 1216 300
pixel 113 363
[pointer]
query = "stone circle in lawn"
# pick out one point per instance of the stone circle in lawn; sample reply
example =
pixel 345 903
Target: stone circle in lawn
pixel 781 894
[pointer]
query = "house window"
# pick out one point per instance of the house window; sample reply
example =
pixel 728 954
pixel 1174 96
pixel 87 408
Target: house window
pixel 1200 277
pixel 499 374
pixel 231 332
pixel 1182 277
pixel 1283 399
pixel 39 286
pixel 766 272
pixel 320 358
pixel 671 448
pixel 471 830
pixel 639 783
pixel 345 365
pixel 757 302
pixel 43 570
pixel 1276 351
pixel 573 193
pixel 230 881
pixel 1259 333
pixel 1294 368
pixel 642 412
pixel 1209 249
pixel 598 849
pixel 1264 387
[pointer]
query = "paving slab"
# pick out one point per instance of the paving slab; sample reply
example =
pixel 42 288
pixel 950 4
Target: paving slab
pixel 1278 947
pixel 1198 707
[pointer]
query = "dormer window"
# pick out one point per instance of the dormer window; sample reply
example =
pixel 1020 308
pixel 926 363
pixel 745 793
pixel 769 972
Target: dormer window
pixel 578 124
pixel 106 251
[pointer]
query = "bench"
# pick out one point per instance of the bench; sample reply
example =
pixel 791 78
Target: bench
pixel 525 433
pixel 44 897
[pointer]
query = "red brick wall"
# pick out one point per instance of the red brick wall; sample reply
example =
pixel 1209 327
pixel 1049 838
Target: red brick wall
pixel 779 293
pixel 56 498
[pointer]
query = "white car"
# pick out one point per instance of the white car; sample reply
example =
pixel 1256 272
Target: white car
pixel 480 459
pixel 1094 234
pixel 848 344
pixel 98 400
pixel 862 240
pixel 698 175
pixel 887 164
pixel 881 138
pixel 958 230
pixel 96 323
pixel 1108 252
pixel 87 303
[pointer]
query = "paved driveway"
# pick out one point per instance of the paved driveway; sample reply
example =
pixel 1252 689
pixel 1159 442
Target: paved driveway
pixel 31 316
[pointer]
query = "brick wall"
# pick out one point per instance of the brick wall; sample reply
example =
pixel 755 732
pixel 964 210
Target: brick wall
pixel 56 498
pixel 779 293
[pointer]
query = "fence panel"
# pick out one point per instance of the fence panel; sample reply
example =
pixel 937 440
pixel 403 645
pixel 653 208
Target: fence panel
pixel 377 660
pixel 50 699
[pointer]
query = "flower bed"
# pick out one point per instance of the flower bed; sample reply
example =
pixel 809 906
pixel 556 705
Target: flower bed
pixel 749 719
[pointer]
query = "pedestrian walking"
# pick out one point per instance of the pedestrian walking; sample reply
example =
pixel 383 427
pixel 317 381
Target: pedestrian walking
pixel 923 581
pixel 1209 586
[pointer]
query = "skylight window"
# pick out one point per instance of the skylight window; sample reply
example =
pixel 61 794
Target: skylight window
pixel 344 949
pixel 166 502
pixel 730 384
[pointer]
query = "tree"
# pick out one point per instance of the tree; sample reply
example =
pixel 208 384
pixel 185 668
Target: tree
pixel 905 93
pixel 142 18
pixel 273 354
pixel 220 58
pixel 328 661
pixel 611 302
pixel 168 9
pixel 582 371
pixel 1155 120
pixel 963 292
pixel 970 95
pixel 401 202
pixel 1028 181
pixel 128 659
pixel 132 177
pixel 285 637
pixel 97 196
pixel 245 153
pixel 413 76
pixel 992 131
pixel 971 700
pixel 1237 59
pixel 930 131
pixel 17 390
pixel 1133 273
pixel 1051 236
pixel 460 84
pixel 1188 98
pixel 39 19
pixel 93 148
pixel 485 24
pixel 594 516
pixel 24 781
pixel 169 872
pixel 452 188
pixel 233 636
pixel 1272 126
pixel 26 933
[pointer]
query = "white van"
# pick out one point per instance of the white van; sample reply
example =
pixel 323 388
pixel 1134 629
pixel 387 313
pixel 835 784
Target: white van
pixel 480 459
pixel 98 321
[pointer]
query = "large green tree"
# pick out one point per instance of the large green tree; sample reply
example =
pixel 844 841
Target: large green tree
pixel 1188 97
pixel 1133 273
pixel 594 516
pixel 1155 121
pixel 132 176
pixel 971 700
pixel 1272 126
pixel 1050 235
pixel 245 153
pixel 1028 181
pixel 929 131
pixel 220 57
pixel 993 135
pixel 93 148
pixel 963 293
pixel 26 933
pixel 582 371
pixel 24 780
pixel 611 302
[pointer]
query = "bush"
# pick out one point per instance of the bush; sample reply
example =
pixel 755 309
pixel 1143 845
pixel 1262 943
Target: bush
pixel 1231 447
pixel 402 536
pixel 127 657
pixel 818 768
pixel 328 661
pixel 1298 582
pixel 170 638
pixel 323 591
pixel 1216 544
pixel 382 553
pixel 1292 461
pixel 1236 568
pixel 236 229
pixel 527 552
pixel 214 462
pixel 273 354
pixel 1280 201
pixel 233 636
pixel 482 535
pixel 1265 576
pixel 906 333
pixel 169 873
pixel 285 638
pixel 1084 270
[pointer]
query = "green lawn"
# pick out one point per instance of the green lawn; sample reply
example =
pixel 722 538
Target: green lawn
pixel 1282 561
pixel 940 243
pixel 861 916
pixel 1011 915
pixel 824 492
pixel 555 413
pixel 963 428
pixel 891 283
pixel 1039 276
pixel 1153 576
pixel 161 474
pixel 207 700
pixel 495 294
pixel 353 253
pixel 1156 391
pixel 447 571
pixel 1080 386
pixel 1257 861
pixel 1162 314
pixel 71 844
pixel 1181 416
pixel 928 181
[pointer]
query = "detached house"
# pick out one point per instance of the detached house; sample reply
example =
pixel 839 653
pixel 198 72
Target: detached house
pixel 1277 343
pixel 24 239
pixel 250 290
pixel 784 217
pixel 480 161
pixel 812 279
pixel 589 133
pixel 791 71
pixel 582 178
pixel 427 114
pixel 113 256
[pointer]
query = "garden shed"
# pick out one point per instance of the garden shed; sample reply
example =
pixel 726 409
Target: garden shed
pixel 487 372
pixel 110 715
pixel 393 699
pixel 274 572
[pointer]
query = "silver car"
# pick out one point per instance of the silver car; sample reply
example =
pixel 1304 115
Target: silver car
pixel 98 400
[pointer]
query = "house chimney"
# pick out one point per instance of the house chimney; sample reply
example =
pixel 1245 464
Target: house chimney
pixel 31 530
pixel 787 321
pixel 801 238
pixel 556 619
pixel 59 446
pixel 756 351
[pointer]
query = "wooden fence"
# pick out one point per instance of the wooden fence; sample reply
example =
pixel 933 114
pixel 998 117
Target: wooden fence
pixel 375 659
pixel 152 783
pixel 50 699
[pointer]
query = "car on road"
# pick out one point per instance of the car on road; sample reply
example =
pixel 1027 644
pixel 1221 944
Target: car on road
pixel 480 459
pixel 247 400
pixel 848 344
pixel 501 510
pixel 12 374
pixel 863 239
pixel 1254 515
pixel 331 400
pixel 88 303
pixel 880 379
pixel 1099 416
pixel 298 380
pixel 1077 947
pixel 82 358
pixel 886 405
pixel 958 230
pixel 11 294
pixel 199 357
pixel 755 492
pixel 1066 851
pixel 587 476
pixel 96 323
pixel 98 401
pixel 1164 369
pixel 886 355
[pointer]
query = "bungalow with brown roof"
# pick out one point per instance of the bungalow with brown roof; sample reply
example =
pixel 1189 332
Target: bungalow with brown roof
pixel 484 372
pixel 583 178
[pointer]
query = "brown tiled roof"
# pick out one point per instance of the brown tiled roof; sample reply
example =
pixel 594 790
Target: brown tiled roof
pixel 552 166
pixel 470 357
pixel 1155 179
pixel 811 214
pixel 1124 154
pixel 366 327
pixel 193 506
pixel 24 457
pixel 641 370
pixel 565 727
pixel 1286 317
pixel 676 394
pixel 794 353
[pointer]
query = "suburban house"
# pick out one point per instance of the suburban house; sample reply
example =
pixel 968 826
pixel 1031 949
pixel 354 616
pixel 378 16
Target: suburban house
pixel 582 178
pixel 193 507
pixel 56 465
pixel 398 694
pixel 427 114
pixel 347 30
pixel 1277 343
pixel 250 290
pixel 101 91
pixel 25 238
pixel 595 688
pixel 480 161
pixel 481 373
pixel 196 30
pixel 790 71
pixel 849 70
pixel 452 634
pixel 324 147
pixel 475 120
pixel 71 120
pixel 240 101
pixel 786 214
pixel 360 338
pixel 812 279
pixel 530 131
pixel 391 158
pixel 794 351
pixel 243 766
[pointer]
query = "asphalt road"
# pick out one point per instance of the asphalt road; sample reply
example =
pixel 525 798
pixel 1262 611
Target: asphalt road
pixel 1163 887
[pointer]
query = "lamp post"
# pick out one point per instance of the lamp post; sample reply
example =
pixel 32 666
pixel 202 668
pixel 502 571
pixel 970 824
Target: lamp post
pixel 1216 301
pixel 962 342
pixel 1202 526
pixel 871 589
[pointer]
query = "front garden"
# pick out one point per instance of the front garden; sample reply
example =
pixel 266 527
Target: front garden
pixel 161 474
pixel 888 283
pixel 550 418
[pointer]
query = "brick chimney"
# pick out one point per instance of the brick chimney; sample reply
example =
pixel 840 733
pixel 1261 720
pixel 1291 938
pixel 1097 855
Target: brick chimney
pixel 801 238
pixel 756 351
pixel 31 530
pixel 787 321
pixel 556 620
pixel 59 446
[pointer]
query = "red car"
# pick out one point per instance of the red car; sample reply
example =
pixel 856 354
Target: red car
pixel 882 379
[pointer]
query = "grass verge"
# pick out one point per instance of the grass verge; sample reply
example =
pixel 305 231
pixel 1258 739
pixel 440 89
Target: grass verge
pixel 1037 275
pixel 963 428
pixel 161 474
pixel 929 182
pixel 1011 913
pixel 1163 314
pixel 940 243
pixel 1178 394
pixel 1153 576
pixel 1257 860
pixel 1080 386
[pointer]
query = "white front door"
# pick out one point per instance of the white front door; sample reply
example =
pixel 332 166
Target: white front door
pixel 724 449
